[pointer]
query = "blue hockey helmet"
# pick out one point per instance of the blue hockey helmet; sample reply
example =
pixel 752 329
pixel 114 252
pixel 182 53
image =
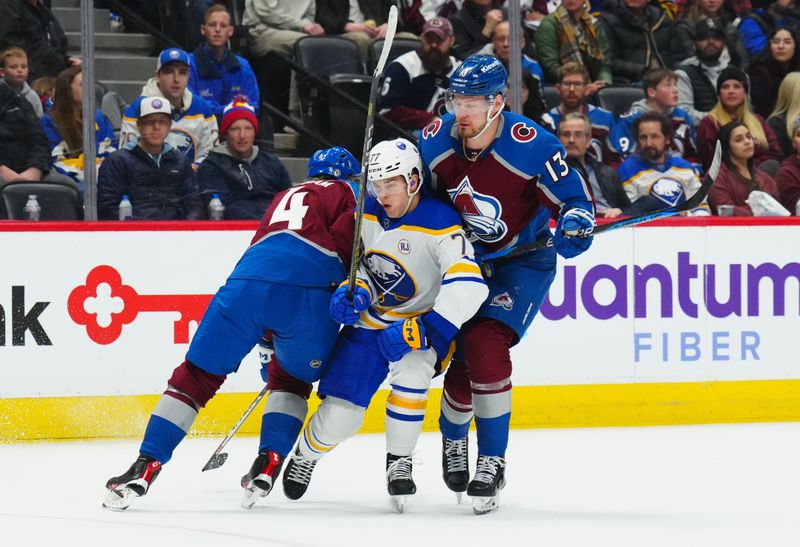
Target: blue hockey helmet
pixel 479 75
pixel 336 162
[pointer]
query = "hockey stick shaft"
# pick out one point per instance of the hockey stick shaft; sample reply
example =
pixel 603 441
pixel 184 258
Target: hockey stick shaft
pixel 693 202
pixel 218 458
pixel 355 258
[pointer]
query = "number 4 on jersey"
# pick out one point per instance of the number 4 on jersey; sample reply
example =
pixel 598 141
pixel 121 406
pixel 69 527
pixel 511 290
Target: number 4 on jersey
pixel 291 209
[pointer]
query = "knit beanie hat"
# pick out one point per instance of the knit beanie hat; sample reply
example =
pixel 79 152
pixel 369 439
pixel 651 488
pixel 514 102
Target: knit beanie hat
pixel 733 73
pixel 238 110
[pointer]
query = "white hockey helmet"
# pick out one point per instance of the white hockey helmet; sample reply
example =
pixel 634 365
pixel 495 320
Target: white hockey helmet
pixel 397 157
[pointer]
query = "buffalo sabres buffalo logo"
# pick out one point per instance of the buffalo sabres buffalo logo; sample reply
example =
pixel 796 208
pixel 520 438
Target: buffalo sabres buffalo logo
pixel 393 283
pixel 504 301
pixel 481 213
pixel 668 190
pixel 183 142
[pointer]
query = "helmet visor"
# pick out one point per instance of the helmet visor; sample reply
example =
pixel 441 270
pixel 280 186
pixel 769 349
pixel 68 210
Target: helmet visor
pixel 387 187
pixel 466 105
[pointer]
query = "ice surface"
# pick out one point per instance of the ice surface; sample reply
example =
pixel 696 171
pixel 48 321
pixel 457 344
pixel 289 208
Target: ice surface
pixel 730 485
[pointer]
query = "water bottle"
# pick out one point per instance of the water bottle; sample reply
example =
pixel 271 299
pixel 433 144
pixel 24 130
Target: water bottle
pixel 125 209
pixel 32 208
pixel 216 210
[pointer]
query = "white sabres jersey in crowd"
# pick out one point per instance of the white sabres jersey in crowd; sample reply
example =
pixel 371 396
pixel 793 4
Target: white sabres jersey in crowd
pixel 418 263
pixel 672 181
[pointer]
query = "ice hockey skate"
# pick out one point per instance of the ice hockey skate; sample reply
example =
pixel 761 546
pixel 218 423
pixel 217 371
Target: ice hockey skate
pixel 484 489
pixel 455 465
pixel 297 476
pixel 134 483
pixel 398 479
pixel 258 482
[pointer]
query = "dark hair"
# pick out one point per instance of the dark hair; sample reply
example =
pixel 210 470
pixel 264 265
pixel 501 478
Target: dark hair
pixel 64 108
pixel 652 116
pixel 766 54
pixel 572 67
pixel 724 137
pixel 534 107
pixel 654 77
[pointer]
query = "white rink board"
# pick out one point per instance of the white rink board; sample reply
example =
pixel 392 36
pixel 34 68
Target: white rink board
pixel 754 342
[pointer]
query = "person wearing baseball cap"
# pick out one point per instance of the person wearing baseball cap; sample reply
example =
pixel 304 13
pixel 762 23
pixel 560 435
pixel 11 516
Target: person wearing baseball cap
pixel 245 177
pixel 697 75
pixel 158 180
pixel 194 128
pixel 416 81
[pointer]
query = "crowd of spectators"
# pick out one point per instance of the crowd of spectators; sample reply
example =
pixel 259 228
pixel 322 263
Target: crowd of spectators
pixel 708 70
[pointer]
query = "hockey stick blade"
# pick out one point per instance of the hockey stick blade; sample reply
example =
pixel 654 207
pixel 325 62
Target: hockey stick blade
pixel 355 257
pixel 218 458
pixel 693 202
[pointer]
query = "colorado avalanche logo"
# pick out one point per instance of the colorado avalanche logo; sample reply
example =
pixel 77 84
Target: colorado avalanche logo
pixel 431 129
pixel 522 133
pixel 481 213
pixel 668 190
pixel 504 301
pixel 394 284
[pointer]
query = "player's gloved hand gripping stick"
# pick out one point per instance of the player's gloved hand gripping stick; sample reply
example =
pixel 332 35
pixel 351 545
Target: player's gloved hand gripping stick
pixel 693 202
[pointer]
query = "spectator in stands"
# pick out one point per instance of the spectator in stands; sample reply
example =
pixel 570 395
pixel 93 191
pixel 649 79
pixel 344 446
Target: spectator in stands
pixel 533 106
pixel 194 126
pixel 275 25
pixel 14 70
pixel 697 75
pixel 788 176
pixel 737 177
pixel 572 34
pixel 575 133
pixel 30 25
pixel 45 89
pixel 415 83
pixel 474 24
pixel 732 88
pixel 573 88
pixel 245 177
pixel 360 22
pixel 787 109
pixel 215 73
pixel 779 58
pixel 158 180
pixel 640 36
pixel 24 152
pixel 661 95
pixel 500 48
pixel 654 178
pixel 758 25
pixel 63 126
pixel 719 16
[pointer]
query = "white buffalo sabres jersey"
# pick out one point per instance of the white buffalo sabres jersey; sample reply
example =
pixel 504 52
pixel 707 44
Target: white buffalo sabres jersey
pixel 672 182
pixel 419 263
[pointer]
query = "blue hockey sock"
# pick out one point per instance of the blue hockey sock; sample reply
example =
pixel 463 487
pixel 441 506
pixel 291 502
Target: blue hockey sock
pixel 282 421
pixel 493 435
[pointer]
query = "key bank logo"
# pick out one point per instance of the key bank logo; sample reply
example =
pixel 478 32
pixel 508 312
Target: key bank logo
pixel 105 305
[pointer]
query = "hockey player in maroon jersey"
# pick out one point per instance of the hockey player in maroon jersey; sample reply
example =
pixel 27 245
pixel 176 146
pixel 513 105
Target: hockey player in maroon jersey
pixel 490 164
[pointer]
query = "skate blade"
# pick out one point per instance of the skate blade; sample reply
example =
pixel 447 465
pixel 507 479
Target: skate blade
pixel 481 506
pixel 251 495
pixel 399 503
pixel 119 500
pixel 459 497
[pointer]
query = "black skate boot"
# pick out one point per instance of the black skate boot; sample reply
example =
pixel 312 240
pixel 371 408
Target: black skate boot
pixel 455 466
pixel 259 480
pixel 297 476
pixel 398 479
pixel 490 478
pixel 134 483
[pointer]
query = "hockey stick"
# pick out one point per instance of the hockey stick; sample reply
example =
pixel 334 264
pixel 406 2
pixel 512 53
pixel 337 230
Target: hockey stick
pixel 391 27
pixel 218 458
pixel 691 203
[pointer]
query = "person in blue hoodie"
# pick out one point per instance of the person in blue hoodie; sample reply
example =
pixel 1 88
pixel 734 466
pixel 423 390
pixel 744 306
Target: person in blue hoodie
pixel 245 177
pixel 216 73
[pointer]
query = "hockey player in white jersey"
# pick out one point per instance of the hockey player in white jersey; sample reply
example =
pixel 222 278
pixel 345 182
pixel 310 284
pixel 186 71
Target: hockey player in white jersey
pixel 417 284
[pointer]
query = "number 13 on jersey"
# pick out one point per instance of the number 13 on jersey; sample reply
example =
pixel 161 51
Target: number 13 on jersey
pixel 556 166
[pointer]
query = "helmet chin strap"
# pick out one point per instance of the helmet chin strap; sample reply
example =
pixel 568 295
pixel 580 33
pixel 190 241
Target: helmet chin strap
pixel 489 120
pixel 410 197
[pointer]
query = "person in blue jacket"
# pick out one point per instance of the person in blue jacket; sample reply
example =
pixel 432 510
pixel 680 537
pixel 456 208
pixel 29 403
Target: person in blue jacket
pixel 216 73
pixel 245 177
